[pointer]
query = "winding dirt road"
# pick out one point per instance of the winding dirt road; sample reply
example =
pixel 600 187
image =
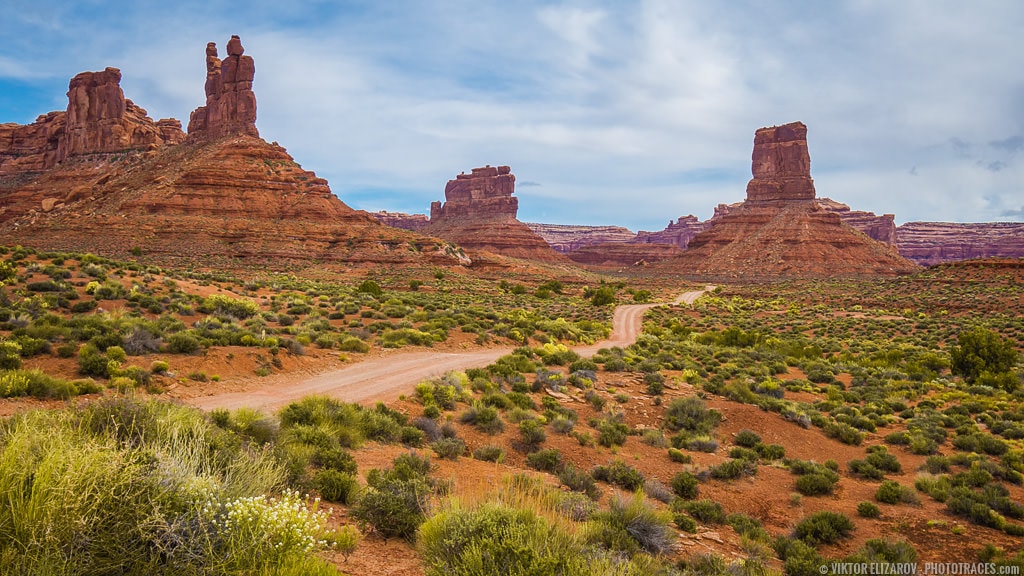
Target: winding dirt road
pixel 395 372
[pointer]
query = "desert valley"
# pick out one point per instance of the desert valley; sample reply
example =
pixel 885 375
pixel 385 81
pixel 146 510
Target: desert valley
pixel 211 364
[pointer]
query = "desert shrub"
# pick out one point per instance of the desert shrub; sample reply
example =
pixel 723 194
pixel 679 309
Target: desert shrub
pixel 10 355
pixel 430 428
pixel 868 510
pixel 877 550
pixel 823 528
pixel 844 433
pixel 490 454
pixel 684 522
pixel 798 557
pixel 548 460
pixel 679 456
pixel 655 489
pixel 770 451
pixel 814 484
pixel 182 343
pixel 612 431
pixel 747 526
pixel 892 492
pixel 449 448
pixel 980 350
pixel 335 486
pixel 705 510
pixel 631 525
pixel 395 501
pixel 620 474
pixel 685 485
pixel 691 414
pixel 579 480
pixel 747 438
pixel 483 417
pixel 655 382
pixel 603 296
pixel 498 539
pixel 531 433
pixel 562 425
pixel 733 469
pixel 370 287
pixel 240 308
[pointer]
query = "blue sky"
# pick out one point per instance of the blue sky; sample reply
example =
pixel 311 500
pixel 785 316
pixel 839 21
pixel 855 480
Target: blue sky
pixel 630 113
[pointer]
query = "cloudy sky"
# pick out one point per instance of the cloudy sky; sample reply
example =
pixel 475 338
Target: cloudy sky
pixel 620 112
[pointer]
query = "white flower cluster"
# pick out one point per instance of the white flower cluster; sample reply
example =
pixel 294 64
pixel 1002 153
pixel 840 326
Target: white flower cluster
pixel 272 525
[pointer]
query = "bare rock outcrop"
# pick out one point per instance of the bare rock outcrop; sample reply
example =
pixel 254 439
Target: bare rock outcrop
pixel 230 102
pixel 623 254
pixel 229 200
pixel 780 231
pixel 98 120
pixel 414 222
pixel 678 233
pixel 566 237
pixel 479 213
pixel 929 243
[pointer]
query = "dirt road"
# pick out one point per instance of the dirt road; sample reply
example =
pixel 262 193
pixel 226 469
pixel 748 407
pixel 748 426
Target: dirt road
pixel 397 371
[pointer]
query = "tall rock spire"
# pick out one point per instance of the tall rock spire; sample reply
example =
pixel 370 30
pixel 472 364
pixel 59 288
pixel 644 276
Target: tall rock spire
pixel 230 102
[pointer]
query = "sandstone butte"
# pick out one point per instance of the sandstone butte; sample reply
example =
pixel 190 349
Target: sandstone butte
pixel 780 230
pixel 103 177
pixel 479 213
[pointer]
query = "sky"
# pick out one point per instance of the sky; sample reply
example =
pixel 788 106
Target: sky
pixel 628 113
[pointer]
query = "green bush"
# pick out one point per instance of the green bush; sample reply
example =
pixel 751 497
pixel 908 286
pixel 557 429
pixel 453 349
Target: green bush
pixel 733 469
pixel 335 486
pixel 490 454
pixel 685 485
pixel 747 438
pixel 823 528
pixel 978 351
pixel 449 448
pixel 620 474
pixel 868 510
pixel 183 343
pixel 815 484
pixel 531 432
pixel 691 414
pixel 579 481
pixel 630 526
pixel 396 500
pixel 549 460
pixel 705 510
pixel 892 492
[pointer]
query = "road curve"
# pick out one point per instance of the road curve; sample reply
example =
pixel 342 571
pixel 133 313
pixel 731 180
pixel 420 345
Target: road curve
pixel 387 376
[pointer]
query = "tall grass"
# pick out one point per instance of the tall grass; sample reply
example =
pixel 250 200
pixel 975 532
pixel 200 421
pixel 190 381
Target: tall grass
pixel 124 487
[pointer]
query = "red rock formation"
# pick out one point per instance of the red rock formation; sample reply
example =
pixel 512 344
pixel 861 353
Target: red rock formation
pixel 226 201
pixel 479 213
pixel 414 222
pixel 780 230
pixel 230 102
pixel 929 243
pixel 566 238
pixel 881 228
pixel 623 254
pixel 98 119
pixel 485 194
pixel 781 165
pixel 678 233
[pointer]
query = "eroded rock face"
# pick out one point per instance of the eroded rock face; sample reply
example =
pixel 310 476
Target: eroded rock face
pixel 483 194
pixel 230 102
pixel 98 119
pixel 479 213
pixel 929 243
pixel 566 238
pixel 781 165
pixel 678 233
pixel 414 222
pixel 781 231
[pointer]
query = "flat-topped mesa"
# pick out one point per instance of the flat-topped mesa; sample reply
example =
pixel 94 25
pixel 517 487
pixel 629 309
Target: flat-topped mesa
pixel 781 165
pixel 230 102
pixel 484 194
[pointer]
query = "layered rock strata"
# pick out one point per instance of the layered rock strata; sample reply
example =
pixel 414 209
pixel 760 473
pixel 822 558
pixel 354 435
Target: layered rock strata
pixel 623 254
pixel 929 243
pixel 780 230
pixel 566 238
pixel 230 102
pixel 414 222
pixel 224 197
pixel 678 233
pixel 479 213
